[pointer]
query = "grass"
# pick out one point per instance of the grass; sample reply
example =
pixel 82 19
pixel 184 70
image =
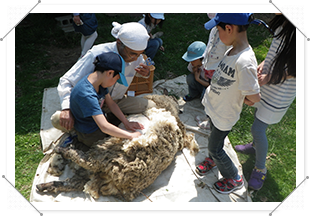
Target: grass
pixel 281 162
pixel 33 60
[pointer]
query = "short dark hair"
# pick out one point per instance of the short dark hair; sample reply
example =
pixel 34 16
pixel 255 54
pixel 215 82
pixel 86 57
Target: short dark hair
pixel 241 28
pixel 101 69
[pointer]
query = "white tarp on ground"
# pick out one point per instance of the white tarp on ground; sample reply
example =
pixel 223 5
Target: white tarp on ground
pixel 178 183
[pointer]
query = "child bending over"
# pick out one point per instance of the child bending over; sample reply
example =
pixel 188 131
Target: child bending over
pixel 91 92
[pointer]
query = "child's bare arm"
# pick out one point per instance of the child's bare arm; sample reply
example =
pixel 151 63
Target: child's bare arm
pixel 202 82
pixel 248 102
pixel 253 98
pixel 119 114
pixel 112 130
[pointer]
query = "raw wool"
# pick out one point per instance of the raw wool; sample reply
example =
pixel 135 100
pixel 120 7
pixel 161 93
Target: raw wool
pixel 157 117
pixel 122 167
pixel 168 103
pixel 57 165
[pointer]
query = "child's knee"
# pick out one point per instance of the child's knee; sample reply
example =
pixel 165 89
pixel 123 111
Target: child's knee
pixel 160 42
pixel 154 44
pixel 55 119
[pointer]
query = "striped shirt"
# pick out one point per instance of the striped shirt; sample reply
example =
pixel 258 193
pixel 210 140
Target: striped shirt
pixel 275 99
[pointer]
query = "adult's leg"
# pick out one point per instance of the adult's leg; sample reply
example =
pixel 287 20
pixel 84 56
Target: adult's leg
pixel 88 42
pixel 55 119
pixel 128 105
pixel 134 105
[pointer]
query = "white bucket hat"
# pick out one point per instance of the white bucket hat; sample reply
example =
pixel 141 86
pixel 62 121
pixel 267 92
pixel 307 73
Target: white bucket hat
pixel 133 35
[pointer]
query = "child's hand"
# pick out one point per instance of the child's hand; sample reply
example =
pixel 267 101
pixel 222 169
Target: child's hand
pixel 263 79
pixel 260 67
pixel 135 134
pixel 134 126
pixel 197 75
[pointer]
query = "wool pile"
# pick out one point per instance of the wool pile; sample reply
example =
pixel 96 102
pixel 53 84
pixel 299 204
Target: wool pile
pixel 121 167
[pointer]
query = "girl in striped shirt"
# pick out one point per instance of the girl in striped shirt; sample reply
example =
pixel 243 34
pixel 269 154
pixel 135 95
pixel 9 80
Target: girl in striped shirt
pixel 277 78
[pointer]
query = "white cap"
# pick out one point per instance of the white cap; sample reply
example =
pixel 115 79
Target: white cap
pixel 158 16
pixel 133 35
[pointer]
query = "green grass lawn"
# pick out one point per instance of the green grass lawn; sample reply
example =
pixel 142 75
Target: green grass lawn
pixel 33 62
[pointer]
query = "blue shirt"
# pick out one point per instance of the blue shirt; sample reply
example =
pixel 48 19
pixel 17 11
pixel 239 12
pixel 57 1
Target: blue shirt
pixel 85 102
pixel 89 26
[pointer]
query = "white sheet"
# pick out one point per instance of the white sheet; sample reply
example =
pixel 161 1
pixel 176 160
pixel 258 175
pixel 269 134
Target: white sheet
pixel 177 183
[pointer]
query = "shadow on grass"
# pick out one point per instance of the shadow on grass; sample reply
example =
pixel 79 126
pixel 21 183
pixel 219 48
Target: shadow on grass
pixel 270 192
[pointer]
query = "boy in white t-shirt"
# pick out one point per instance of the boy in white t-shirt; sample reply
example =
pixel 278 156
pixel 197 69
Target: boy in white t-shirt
pixel 233 83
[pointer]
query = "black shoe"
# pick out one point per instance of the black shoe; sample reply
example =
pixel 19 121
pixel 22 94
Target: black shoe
pixel 188 98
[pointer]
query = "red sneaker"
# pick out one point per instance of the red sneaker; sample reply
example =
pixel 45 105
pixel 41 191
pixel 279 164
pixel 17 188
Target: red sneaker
pixel 205 166
pixel 226 186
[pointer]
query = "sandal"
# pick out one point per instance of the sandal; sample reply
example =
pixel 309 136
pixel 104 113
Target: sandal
pixel 226 186
pixel 204 167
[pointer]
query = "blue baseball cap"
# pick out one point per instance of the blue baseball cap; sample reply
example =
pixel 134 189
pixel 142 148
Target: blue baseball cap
pixel 112 61
pixel 194 51
pixel 229 18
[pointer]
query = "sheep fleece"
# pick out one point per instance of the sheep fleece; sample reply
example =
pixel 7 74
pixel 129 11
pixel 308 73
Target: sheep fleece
pixel 122 167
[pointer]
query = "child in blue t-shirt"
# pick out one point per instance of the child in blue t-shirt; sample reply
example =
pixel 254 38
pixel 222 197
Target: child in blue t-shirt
pixel 91 92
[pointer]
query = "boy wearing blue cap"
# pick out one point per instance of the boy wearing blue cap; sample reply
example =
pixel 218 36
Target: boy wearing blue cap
pixel 88 96
pixel 233 82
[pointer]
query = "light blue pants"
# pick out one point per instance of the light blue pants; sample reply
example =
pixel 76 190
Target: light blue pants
pixel 260 142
